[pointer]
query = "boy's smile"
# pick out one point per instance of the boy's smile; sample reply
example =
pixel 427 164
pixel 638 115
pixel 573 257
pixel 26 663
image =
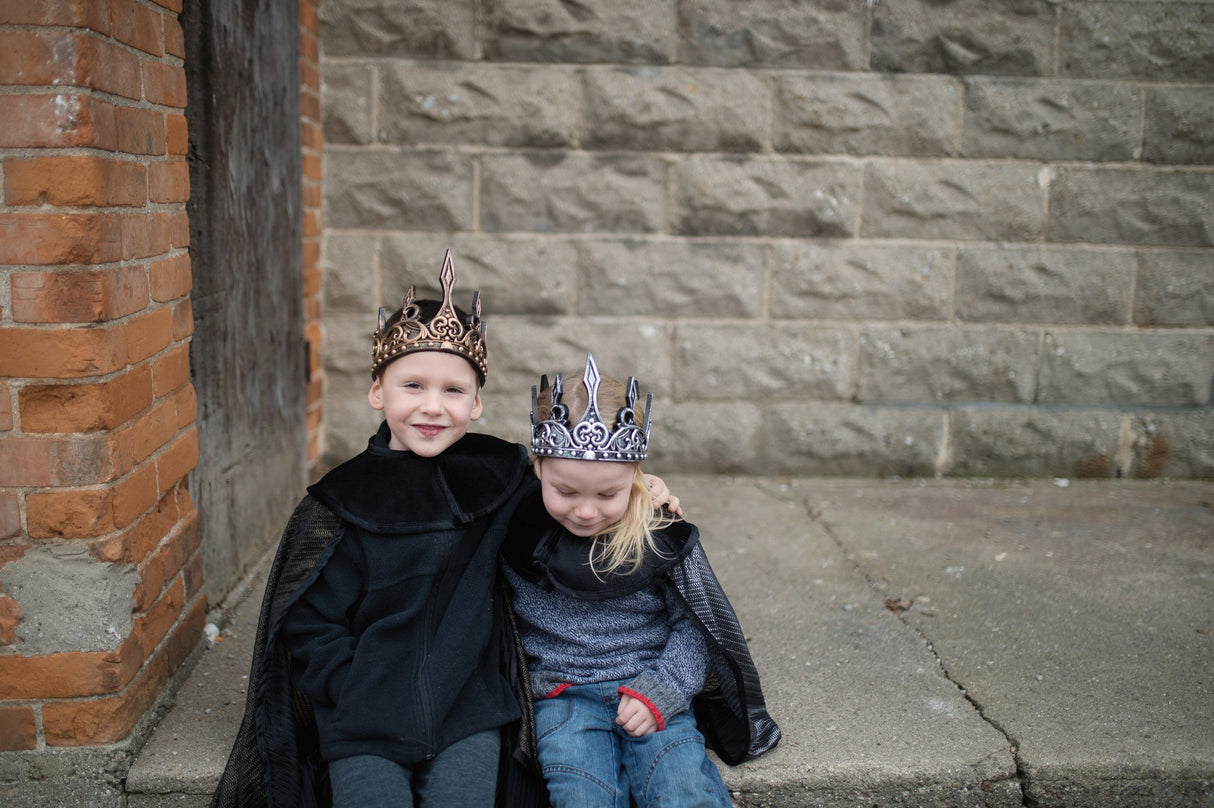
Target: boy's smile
pixel 428 399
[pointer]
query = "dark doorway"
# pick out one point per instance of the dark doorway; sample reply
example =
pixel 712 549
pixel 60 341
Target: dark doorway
pixel 247 358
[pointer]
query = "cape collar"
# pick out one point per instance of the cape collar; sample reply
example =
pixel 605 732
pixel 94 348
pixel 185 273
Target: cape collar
pixel 389 491
pixel 544 553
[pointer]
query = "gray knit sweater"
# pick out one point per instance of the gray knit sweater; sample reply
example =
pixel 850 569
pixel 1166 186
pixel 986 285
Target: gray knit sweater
pixel 645 639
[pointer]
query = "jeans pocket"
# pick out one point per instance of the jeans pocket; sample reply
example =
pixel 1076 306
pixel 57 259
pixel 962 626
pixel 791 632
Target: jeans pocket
pixel 551 715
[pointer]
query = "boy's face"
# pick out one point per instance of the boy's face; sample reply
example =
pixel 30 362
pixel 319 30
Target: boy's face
pixel 585 496
pixel 428 399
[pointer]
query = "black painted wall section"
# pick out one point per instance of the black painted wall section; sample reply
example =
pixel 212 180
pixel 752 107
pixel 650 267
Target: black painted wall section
pixel 247 357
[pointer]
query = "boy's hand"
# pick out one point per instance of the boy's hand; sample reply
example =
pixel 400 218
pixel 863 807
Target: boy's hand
pixel 635 717
pixel 661 495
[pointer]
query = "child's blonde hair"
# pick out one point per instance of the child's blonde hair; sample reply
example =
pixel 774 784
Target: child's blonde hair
pixel 619 548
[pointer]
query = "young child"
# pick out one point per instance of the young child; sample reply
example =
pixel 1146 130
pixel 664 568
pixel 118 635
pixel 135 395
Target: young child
pixel 378 670
pixel 634 654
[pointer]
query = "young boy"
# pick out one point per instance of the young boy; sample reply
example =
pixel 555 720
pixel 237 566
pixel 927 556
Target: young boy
pixel 377 674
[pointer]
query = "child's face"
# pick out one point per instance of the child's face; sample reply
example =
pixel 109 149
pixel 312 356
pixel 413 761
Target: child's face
pixel 428 399
pixel 585 496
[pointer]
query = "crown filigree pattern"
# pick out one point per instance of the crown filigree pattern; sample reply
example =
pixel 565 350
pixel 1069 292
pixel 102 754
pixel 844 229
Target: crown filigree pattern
pixel 444 332
pixel 590 438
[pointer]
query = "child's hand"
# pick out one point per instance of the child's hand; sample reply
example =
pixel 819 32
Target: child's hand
pixel 661 495
pixel 635 717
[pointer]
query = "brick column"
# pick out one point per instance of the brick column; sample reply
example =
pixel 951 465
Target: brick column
pixel 313 198
pixel 100 570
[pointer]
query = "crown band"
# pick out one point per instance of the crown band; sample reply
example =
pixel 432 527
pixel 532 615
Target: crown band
pixel 590 438
pixel 444 332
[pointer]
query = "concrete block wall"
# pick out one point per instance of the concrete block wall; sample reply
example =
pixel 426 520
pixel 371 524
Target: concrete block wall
pixel 100 571
pixel 892 238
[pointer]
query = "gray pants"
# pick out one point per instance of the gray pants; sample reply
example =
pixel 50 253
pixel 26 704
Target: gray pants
pixel 464 775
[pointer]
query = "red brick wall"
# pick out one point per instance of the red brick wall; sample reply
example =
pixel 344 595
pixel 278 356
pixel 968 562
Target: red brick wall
pixel 96 407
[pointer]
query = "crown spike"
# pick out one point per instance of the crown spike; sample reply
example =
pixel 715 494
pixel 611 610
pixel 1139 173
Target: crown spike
pixel 447 280
pixel 446 276
pixel 648 418
pixel 476 310
pixel 446 322
pixel 630 395
pixel 591 379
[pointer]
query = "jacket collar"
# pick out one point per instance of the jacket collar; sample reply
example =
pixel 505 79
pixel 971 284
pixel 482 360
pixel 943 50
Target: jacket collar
pixel 389 491
pixel 544 553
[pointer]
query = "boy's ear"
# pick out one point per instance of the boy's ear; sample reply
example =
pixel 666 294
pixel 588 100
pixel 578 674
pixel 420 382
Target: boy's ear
pixel 375 396
pixel 477 407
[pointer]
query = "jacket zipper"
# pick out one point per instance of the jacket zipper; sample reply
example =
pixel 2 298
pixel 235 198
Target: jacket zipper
pixel 424 695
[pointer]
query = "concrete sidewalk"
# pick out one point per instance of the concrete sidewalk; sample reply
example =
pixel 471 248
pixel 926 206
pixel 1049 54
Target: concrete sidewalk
pixel 922 643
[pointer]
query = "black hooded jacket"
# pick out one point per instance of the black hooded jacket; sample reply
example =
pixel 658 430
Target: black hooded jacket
pixel 422 533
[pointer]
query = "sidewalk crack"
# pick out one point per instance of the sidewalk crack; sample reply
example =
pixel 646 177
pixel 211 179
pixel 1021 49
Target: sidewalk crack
pixel 899 606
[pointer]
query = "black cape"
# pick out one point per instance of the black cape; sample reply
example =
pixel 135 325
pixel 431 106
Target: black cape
pixel 730 711
pixel 275 760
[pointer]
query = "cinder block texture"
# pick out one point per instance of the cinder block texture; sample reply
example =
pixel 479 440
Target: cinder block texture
pixel 895 238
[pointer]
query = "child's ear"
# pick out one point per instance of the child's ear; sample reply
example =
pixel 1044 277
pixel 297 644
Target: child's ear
pixel 477 407
pixel 375 396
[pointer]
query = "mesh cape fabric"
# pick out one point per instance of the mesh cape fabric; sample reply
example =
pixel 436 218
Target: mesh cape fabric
pixel 520 782
pixel 276 716
pixel 730 710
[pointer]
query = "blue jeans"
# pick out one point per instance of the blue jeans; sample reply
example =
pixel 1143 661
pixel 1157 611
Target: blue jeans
pixel 589 761
pixel 462 775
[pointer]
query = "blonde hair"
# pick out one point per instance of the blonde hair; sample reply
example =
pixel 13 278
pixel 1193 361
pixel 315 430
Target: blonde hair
pixel 618 548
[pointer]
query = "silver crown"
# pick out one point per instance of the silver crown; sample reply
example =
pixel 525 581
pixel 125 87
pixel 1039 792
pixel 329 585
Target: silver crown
pixel 590 438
